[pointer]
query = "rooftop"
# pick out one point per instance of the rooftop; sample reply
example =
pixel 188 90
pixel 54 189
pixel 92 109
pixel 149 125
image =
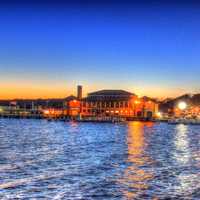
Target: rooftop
pixel 71 98
pixel 110 93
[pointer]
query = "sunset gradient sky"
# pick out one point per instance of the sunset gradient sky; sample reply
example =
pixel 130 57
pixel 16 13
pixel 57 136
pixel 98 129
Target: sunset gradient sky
pixel 147 48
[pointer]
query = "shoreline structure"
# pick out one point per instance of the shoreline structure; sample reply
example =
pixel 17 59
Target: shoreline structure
pixel 100 106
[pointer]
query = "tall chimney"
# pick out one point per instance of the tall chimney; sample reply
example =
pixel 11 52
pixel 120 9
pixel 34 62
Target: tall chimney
pixel 79 92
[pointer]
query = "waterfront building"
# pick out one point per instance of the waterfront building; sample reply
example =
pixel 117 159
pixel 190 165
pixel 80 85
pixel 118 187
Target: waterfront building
pixel 72 105
pixel 117 103
pixel 192 112
pixel 108 103
pixel 103 103
pixel 149 107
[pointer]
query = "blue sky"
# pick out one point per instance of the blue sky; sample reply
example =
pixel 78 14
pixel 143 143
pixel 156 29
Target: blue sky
pixel 149 49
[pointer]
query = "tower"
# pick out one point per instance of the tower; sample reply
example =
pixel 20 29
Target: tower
pixel 79 92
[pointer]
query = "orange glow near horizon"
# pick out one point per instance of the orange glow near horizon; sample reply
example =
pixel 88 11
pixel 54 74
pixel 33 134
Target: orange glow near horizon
pixel 33 91
pixel 36 90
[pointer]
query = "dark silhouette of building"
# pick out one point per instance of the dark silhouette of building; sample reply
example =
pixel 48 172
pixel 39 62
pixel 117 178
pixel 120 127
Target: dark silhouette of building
pixel 79 92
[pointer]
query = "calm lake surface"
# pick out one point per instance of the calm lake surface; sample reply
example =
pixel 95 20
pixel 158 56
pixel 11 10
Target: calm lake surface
pixel 62 160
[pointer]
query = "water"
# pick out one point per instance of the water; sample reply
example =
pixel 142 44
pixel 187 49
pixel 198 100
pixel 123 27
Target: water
pixel 58 160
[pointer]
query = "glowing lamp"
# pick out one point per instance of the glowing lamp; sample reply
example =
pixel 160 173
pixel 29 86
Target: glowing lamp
pixel 46 112
pixel 136 102
pixel 159 114
pixel 182 105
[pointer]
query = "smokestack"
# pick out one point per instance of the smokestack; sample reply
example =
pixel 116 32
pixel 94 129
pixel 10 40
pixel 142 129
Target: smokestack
pixel 79 92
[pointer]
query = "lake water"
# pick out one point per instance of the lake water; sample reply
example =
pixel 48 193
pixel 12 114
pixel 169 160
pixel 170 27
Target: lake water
pixel 63 160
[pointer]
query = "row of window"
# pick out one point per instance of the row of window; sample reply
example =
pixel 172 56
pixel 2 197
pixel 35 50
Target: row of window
pixel 117 112
pixel 93 111
pixel 111 104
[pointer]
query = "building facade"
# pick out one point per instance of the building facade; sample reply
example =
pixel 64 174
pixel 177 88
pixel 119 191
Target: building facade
pixel 103 103
pixel 191 112
pixel 117 103
pixel 72 106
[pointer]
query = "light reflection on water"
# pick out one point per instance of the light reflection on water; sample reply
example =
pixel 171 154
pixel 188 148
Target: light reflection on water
pixel 57 160
pixel 135 177
pixel 183 156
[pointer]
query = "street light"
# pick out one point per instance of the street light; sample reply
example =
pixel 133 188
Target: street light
pixel 137 102
pixel 159 114
pixel 182 105
pixel 46 112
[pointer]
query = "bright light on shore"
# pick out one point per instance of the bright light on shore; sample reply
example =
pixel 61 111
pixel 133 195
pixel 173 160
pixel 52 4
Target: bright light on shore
pixel 159 114
pixel 46 112
pixel 182 105
pixel 137 102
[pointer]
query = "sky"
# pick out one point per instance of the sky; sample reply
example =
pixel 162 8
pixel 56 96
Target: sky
pixel 148 48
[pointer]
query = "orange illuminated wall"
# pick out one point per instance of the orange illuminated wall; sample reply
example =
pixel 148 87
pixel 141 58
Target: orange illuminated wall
pixel 131 108
pixel 74 107
pixel 52 112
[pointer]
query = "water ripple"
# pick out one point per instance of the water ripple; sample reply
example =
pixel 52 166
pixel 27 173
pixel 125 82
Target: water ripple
pixel 57 160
